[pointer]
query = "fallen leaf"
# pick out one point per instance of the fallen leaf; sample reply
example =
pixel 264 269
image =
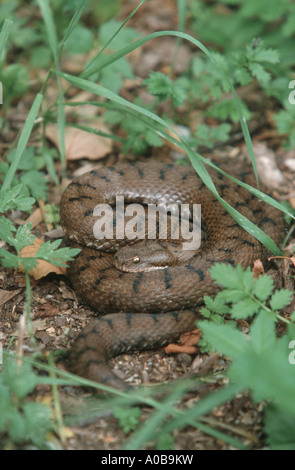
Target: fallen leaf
pixel 43 267
pixel 6 295
pixel 44 337
pixel 187 343
pixel 258 269
pixel 82 144
pixel 36 217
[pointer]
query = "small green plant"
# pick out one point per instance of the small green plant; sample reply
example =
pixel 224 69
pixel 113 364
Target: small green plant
pixel 21 419
pixel 138 136
pixel 164 87
pixel 260 361
pixel 48 251
pixel 257 45
pixel 128 417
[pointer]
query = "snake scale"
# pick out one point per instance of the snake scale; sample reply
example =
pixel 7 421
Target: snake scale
pixel 158 304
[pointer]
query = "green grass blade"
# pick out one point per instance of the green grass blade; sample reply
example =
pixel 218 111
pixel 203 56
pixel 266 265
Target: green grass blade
pixel 75 19
pixel 4 36
pixel 92 62
pixel 50 27
pixel 23 140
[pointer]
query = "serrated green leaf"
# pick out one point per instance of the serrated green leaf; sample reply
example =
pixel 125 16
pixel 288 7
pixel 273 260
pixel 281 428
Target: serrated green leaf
pixel 24 237
pixel 12 199
pixel 260 73
pixel 244 308
pixel 280 299
pixel 178 96
pixel 36 182
pixel 159 84
pixel 153 139
pixel 27 263
pixel 9 260
pixel 37 420
pixel 128 418
pixel 6 229
pixel 263 287
pixel 205 312
pixel 262 333
pixel 233 295
pixel 49 252
pixel 233 278
pixel 279 427
pixel 267 55
pixel 225 339
pixel 21 379
pixel 17 426
pixel 217 304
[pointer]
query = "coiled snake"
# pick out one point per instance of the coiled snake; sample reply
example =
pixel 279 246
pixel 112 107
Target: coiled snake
pixel 158 304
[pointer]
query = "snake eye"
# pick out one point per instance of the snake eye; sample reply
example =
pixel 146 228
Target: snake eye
pixel 136 259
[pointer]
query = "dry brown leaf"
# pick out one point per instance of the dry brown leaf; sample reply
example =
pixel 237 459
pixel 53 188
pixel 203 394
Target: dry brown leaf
pixel 188 342
pixel 36 217
pixel 43 267
pixel 82 144
pixel 258 269
pixel 6 295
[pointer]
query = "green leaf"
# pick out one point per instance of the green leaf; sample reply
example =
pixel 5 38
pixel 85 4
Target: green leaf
pixel 233 278
pixel 217 304
pixel 12 199
pixel 266 55
pixel 258 71
pixel 6 229
pixel 263 287
pixel 80 41
pixel 124 37
pixel 49 252
pixel 17 426
pixel 263 338
pixel 24 237
pixel 37 417
pixel 280 299
pixel 9 260
pixel 128 418
pixel 36 182
pixel 279 427
pixel 159 84
pixel 244 308
pixel 225 339
pixel 21 379
pixel 153 139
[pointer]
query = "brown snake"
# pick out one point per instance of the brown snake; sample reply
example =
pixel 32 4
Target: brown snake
pixel 158 304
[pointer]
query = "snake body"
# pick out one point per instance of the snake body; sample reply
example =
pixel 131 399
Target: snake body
pixel 158 304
